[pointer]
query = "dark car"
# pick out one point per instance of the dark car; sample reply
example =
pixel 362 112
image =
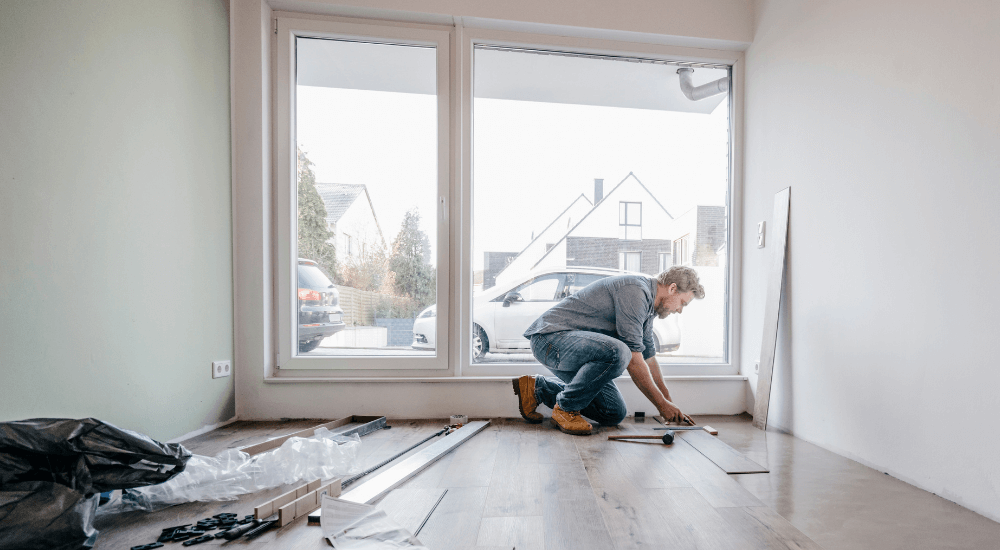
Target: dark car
pixel 319 306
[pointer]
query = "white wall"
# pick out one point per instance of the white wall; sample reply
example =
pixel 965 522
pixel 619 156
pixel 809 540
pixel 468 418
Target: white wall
pixel 115 241
pixel 883 118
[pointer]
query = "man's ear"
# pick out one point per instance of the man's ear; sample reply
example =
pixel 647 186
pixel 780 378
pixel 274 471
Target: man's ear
pixel 672 288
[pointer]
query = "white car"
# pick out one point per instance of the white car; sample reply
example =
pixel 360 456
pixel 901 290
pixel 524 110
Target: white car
pixel 502 313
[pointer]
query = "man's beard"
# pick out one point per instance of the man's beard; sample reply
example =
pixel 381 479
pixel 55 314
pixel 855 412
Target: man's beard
pixel 662 312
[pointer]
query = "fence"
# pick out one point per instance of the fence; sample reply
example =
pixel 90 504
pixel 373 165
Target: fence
pixel 358 306
pixel 362 306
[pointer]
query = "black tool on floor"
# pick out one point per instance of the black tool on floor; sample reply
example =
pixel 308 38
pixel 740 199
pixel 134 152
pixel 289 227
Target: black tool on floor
pixel 264 526
pixel 667 438
pixel 199 540
pixel 237 532
pixel 422 523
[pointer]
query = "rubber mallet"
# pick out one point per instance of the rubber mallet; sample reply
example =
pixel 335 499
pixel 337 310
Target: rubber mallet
pixel 667 438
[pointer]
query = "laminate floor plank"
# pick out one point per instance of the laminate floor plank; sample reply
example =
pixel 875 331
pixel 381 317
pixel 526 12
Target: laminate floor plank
pixel 729 459
pixel 455 523
pixel 515 491
pixel 646 465
pixel 716 486
pixel 515 486
pixel 555 447
pixel 634 522
pixel 472 464
pixel 767 529
pixel 685 510
pixel 524 532
pixel 243 433
pixel 604 465
pixel 571 516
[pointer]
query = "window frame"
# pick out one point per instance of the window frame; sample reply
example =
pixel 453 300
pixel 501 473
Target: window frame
pixel 457 204
pixel 467 39
pixel 287 30
pixel 623 220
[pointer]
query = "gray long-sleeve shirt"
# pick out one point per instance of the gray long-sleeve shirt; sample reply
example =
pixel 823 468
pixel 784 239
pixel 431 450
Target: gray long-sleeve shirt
pixel 620 307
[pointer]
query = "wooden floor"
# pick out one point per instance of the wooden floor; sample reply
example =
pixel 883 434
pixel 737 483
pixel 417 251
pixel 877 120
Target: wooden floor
pixel 517 485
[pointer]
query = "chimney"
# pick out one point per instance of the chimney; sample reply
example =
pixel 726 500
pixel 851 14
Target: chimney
pixel 598 190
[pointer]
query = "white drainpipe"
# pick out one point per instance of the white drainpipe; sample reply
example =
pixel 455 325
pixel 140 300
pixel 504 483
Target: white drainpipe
pixel 720 86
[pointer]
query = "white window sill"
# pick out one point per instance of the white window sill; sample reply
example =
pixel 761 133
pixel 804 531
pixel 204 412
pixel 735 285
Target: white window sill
pixel 463 379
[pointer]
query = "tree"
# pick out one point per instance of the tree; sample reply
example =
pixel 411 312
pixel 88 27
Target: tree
pixel 413 275
pixel 314 235
pixel 368 270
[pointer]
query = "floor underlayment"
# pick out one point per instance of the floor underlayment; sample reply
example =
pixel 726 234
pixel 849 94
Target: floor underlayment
pixel 533 487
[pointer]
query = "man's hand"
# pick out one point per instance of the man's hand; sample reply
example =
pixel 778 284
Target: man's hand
pixel 671 413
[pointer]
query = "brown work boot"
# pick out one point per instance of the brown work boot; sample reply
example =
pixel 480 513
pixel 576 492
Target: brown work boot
pixel 570 422
pixel 524 388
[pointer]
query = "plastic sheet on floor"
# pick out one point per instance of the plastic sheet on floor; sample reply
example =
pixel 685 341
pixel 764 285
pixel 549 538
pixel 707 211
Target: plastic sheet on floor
pixel 352 526
pixel 231 473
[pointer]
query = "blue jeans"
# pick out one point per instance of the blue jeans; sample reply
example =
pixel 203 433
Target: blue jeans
pixel 585 364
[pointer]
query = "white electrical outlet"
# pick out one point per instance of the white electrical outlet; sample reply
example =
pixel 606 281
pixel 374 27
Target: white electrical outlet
pixel 221 368
pixel 756 366
pixel 760 235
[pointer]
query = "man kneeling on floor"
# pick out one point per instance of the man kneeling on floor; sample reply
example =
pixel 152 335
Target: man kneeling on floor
pixel 588 339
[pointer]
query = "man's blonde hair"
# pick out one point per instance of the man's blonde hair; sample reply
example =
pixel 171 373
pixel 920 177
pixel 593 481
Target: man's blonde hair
pixel 685 278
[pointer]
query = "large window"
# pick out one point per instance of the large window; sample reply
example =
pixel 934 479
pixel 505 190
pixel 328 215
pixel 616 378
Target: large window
pixel 428 211
pixel 364 129
pixel 550 128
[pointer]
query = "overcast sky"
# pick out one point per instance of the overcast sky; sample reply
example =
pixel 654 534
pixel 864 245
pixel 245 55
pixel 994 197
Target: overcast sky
pixel 530 158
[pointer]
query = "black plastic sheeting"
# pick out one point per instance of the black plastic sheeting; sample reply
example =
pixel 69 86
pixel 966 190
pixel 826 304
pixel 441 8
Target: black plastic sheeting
pixel 52 471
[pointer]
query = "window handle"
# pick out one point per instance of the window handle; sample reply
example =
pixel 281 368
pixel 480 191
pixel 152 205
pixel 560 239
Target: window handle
pixel 444 209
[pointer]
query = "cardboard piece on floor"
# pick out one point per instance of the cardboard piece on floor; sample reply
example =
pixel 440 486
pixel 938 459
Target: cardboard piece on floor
pixel 771 307
pixel 368 424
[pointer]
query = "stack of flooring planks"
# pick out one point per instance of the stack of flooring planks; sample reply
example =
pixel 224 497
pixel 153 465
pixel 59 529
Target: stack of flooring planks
pixel 530 487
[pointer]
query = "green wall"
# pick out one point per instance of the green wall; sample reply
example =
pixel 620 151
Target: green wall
pixel 116 288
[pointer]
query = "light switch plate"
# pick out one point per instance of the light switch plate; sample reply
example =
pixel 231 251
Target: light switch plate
pixel 760 235
pixel 221 368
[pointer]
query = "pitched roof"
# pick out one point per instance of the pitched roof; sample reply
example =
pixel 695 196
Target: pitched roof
pixel 582 196
pixel 338 197
pixel 596 206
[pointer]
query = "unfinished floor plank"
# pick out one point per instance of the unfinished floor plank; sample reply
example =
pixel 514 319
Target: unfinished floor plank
pixel 724 456
pixel 766 529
